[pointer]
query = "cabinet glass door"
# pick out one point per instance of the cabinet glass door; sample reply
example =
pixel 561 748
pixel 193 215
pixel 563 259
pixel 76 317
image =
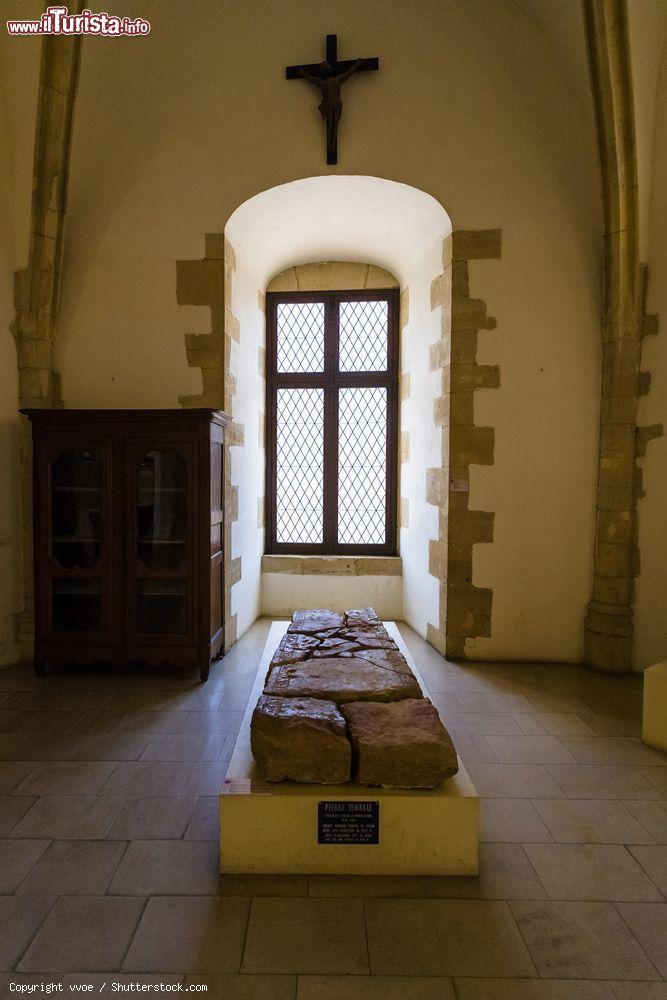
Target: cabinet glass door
pixel 161 552
pixel 76 541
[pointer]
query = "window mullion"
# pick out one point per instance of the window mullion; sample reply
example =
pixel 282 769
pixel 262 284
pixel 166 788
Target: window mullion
pixel 330 423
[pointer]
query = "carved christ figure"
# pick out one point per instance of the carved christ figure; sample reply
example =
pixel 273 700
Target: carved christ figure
pixel 330 107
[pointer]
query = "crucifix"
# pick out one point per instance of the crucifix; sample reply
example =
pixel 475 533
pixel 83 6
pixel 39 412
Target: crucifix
pixel 328 77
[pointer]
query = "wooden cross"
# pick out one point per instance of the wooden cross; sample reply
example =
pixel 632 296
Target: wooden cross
pixel 328 77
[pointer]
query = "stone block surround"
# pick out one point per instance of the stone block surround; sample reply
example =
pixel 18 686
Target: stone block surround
pixel 208 282
pixel 465 610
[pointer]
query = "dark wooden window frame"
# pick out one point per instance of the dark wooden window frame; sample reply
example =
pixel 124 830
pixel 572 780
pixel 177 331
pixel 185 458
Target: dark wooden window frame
pixel 331 380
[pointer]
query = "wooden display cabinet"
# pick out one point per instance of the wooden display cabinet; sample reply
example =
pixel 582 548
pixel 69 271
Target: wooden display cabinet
pixel 128 536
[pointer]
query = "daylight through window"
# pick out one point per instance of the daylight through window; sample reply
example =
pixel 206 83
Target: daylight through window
pixel 332 413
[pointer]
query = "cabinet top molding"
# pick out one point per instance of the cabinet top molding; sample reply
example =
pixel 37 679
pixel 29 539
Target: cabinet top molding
pixel 58 415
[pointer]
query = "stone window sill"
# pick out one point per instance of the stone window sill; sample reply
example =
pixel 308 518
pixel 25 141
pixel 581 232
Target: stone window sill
pixel 333 565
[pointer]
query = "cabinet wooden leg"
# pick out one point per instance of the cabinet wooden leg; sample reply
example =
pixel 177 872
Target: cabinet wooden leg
pixel 204 667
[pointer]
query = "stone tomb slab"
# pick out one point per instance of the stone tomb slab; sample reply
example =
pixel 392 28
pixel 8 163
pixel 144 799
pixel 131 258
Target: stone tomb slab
pixel 311 622
pixel 400 744
pixel 273 828
pixel 300 739
pixel 341 679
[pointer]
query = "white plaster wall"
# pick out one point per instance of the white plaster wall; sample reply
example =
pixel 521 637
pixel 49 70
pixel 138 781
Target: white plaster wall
pixel 248 460
pixel 545 415
pixel 421 600
pixel 283 592
pixel 651 584
pixel 176 130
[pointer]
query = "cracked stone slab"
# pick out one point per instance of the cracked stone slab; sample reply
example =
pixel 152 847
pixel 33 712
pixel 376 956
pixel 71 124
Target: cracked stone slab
pixel 389 659
pixel 362 616
pixel 342 679
pixel 399 745
pixel 300 739
pixel 293 648
pixel 336 647
pixel 310 622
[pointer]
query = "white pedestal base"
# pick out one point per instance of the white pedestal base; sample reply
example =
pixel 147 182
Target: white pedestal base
pixel 272 828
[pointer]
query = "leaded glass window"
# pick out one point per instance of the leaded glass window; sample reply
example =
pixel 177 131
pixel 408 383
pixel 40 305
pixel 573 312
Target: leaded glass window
pixel 332 413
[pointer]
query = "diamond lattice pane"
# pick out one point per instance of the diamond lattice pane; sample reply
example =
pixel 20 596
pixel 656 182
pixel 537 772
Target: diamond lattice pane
pixel 363 336
pixel 362 466
pixel 301 337
pixel 300 466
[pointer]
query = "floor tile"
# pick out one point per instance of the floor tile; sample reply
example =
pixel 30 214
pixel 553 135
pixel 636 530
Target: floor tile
pixel 212 723
pixel 614 725
pixel 654 862
pixel 648 923
pixel 111 746
pixel 611 750
pixel 12 809
pixel 74 868
pixel 366 885
pixel 442 937
pixel 549 702
pixel 657 775
pixel 581 941
pixel 504 873
pixel 83 933
pixel 482 723
pixel 652 816
pixel 375 988
pixel 66 778
pixel 589 821
pixel 69 817
pixel 199 934
pixel 590 871
pixel 16 859
pixel 181 748
pixel 34 721
pixel 553 724
pixel 147 722
pixel 306 936
pixel 521 781
pixel 531 989
pixel 511 821
pixel 263 885
pixel 142 777
pixel 154 817
pixel 473 701
pixel 40 747
pixel 200 698
pixel 167 868
pixel 205 821
pixel 639 991
pixel 203 778
pixel 602 781
pixel 529 750
pixel 20 919
pixel 519 715
pixel 12 773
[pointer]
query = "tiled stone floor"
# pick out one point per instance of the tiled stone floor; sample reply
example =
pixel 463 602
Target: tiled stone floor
pixel 108 856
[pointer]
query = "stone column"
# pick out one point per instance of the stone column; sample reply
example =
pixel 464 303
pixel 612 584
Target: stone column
pixel 609 624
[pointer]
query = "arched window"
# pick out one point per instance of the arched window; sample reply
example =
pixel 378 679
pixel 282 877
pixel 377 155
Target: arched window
pixel 332 416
